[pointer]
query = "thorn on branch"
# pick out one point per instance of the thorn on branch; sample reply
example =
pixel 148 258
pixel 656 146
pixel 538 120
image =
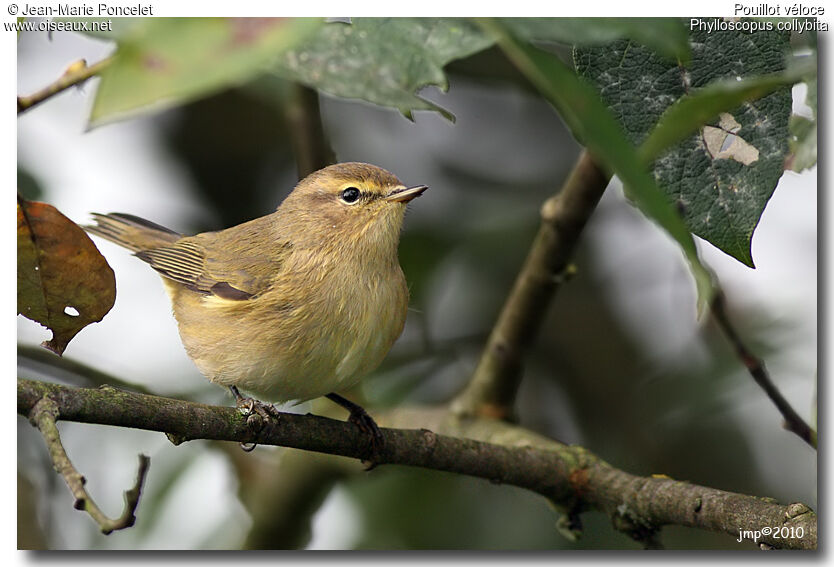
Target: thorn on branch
pixel 175 439
pixel 44 416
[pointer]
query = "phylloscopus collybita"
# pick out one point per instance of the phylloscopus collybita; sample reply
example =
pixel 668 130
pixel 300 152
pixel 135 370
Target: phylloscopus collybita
pixel 297 304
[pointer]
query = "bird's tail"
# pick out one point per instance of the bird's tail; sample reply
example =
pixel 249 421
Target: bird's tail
pixel 134 233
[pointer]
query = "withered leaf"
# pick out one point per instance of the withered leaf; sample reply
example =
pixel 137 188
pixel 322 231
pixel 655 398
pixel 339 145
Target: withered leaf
pixel 63 282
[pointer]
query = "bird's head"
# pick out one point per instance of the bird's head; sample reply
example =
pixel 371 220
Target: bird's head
pixel 355 204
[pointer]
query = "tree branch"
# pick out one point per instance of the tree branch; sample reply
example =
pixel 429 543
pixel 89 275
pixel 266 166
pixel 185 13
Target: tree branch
pixel 793 422
pixel 75 74
pixel 43 415
pixel 491 391
pixel 570 476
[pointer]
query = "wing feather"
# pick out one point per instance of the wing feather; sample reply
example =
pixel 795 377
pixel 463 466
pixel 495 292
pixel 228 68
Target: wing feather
pixel 230 272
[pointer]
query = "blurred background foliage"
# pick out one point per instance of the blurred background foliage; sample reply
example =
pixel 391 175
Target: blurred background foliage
pixel 621 365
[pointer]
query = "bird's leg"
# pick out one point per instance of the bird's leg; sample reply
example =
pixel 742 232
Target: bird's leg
pixel 360 418
pixel 257 413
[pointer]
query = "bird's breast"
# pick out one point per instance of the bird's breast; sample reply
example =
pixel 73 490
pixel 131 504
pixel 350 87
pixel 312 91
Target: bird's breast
pixel 310 334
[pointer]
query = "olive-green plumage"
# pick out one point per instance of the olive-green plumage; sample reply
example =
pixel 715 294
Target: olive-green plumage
pixel 293 305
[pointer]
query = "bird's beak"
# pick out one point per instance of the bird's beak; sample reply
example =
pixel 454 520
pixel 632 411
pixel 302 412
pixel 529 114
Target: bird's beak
pixel 405 194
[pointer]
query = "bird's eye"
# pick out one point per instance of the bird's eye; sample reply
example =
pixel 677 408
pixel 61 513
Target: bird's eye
pixel 350 195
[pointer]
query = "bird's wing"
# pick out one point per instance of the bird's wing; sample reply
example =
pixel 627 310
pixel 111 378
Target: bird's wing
pixel 229 264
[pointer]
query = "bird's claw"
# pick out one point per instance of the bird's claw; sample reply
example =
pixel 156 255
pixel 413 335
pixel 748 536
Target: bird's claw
pixel 256 412
pixel 368 426
pixel 360 418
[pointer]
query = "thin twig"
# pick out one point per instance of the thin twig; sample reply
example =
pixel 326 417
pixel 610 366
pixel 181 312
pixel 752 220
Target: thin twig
pixel 35 362
pixel 570 476
pixel 309 142
pixel 76 74
pixel 792 421
pixel 492 389
pixel 44 415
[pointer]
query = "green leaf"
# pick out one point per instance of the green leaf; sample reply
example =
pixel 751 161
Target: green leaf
pixel 667 36
pixel 383 60
pixel 169 61
pixel 386 61
pixel 593 123
pixel 686 115
pixel 722 176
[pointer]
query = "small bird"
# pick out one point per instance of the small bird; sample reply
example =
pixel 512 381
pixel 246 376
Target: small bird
pixel 294 305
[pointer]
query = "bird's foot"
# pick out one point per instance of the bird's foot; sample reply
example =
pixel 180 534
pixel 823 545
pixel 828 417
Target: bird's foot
pixel 360 418
pixel 257 414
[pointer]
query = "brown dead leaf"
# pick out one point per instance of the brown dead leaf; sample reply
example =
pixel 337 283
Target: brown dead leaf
pixel 63 282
